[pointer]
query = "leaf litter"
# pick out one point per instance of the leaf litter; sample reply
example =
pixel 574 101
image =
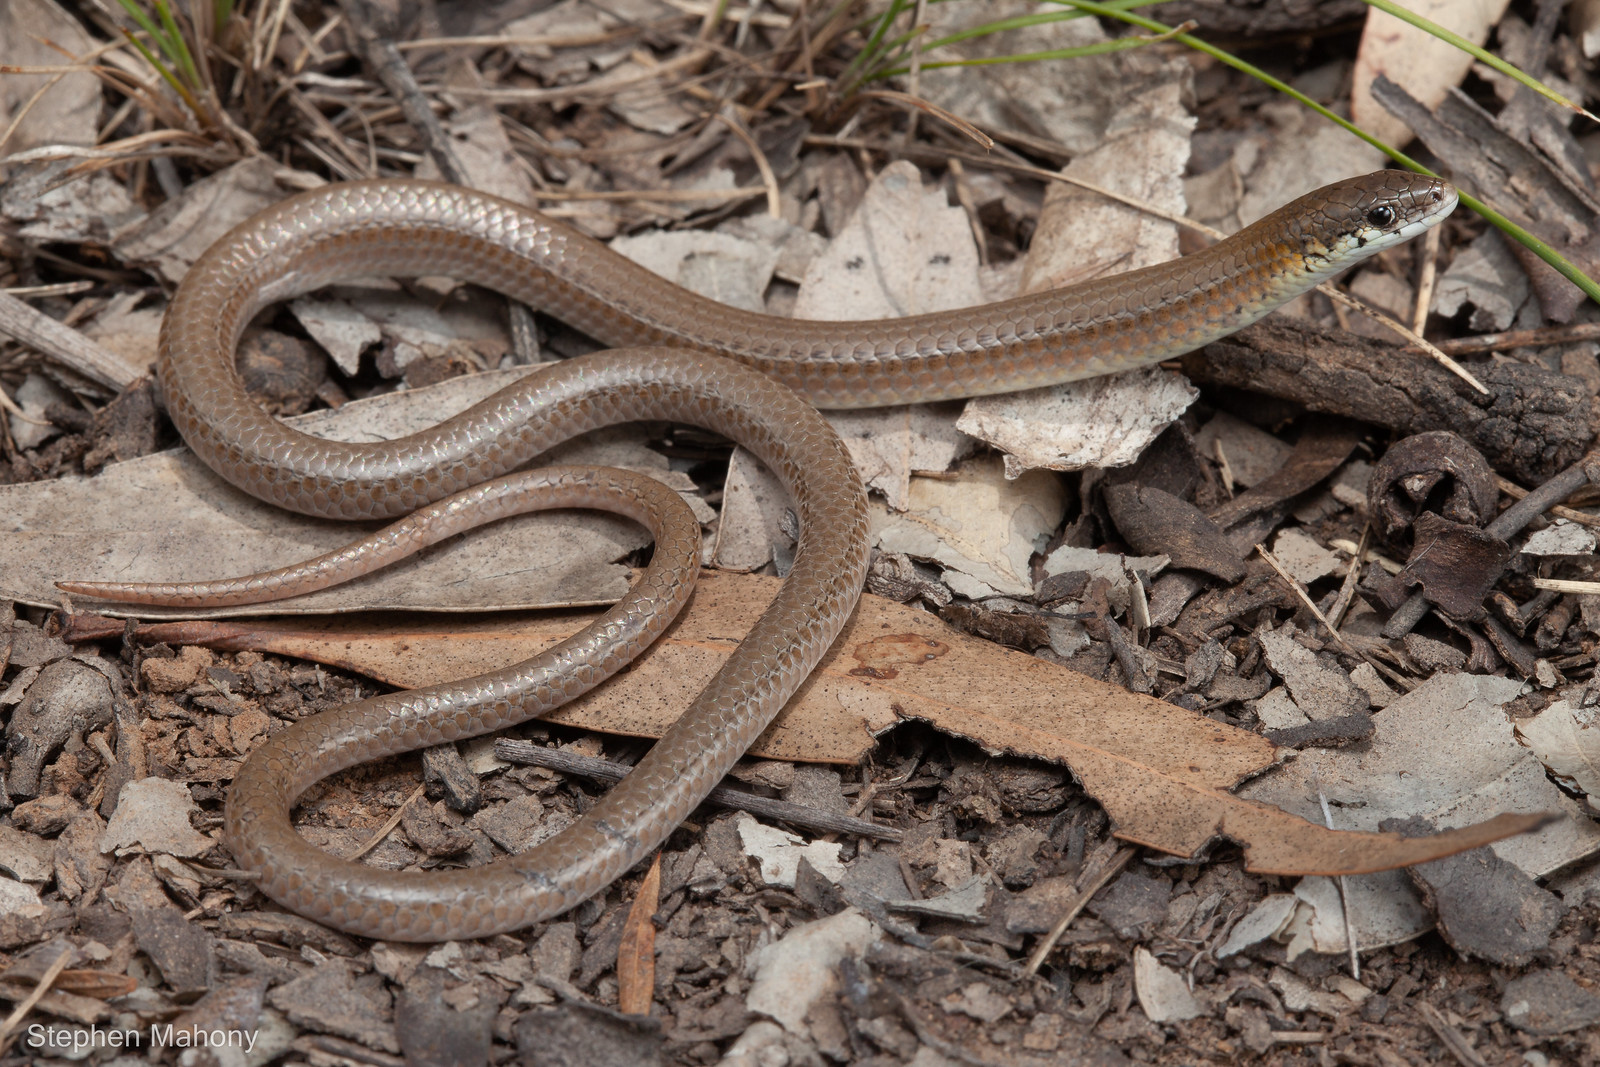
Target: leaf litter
pixel 574 107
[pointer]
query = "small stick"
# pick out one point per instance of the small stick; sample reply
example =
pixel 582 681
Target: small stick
pixel 394 820
pixel 57 289
pixel 1347 591
pixel 1075 906
pixel 1344 898
pixel 515 751
pixel 1327 289
pixel 63 344
pixel 1311 606
pixel 1449 1036
pixel 1425 282
pixel 1305 598
pixel 1508 523
pixel 1544 335
pixel 774 204
pixel 1560 511
pixel 1566 585
pixel 8 1029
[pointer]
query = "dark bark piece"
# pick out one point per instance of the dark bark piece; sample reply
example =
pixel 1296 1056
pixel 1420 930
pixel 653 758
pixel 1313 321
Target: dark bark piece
pixel 1171 464
pixel 1456 565
pixel 1155 522
pixel 1511 650
pixel 1507 525
pixel 1057 588
pixel 603 939
pixel 1206 613
pixel 281 928
pixel 1424 467
pixel 1324 733
pixel 1533 423
pixel 576 1034
pixel 1228 686
pixel 1554 625
pixel 327 1001
pixel 1485 906
pixel 180 949
pixel 898 578
pixel 1170 593
pixel 1012 628
pixel 234 1005
pixel 1547 1003
pixel 1103 628
pixel 1201 665
pixel 815 891
pixel 1133 904
pixel 514 750
pixel 126 428
pixel 32 647
pixel 432 1034
pixel 1482 659
pixel 132 761
pixel 48 815
pixel 448 775
pixel 1433 655
pixel 68 699
pixel 434 838
pixel 1324 445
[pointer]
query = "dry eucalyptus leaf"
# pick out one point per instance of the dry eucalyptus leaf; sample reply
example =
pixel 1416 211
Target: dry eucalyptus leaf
pixel 167 517
pixel 1415 59
pixel 1445 751
pixel 32 33
pixel 1302 153
pixel 174 235
pixel 1105 422
pixel 1384 906
pixel 153 814
pixel 1252 454
pixel 1162 773
pixel 725 268
pixel 905 251
pixel 1100 422
pixel 1163 992
pixel 1074 105
pixel 980 527
pixel 1567 741
pixel 479 142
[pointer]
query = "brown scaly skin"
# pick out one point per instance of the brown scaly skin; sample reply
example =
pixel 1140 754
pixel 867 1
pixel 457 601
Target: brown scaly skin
pixel 407 228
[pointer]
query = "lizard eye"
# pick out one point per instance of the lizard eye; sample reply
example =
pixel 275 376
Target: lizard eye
pixel 1381 216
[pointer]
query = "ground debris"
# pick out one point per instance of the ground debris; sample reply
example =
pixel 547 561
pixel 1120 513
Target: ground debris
pixel 1140 831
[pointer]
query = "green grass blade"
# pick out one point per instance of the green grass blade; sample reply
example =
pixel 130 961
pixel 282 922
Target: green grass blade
pixel 872 52
pixel 1505 225
pixel 178 46
pixel 894 51
pixel 1389 7
pixel 144 21
pixel 160 68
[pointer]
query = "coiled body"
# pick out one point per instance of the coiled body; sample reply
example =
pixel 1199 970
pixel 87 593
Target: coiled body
pixel 681 375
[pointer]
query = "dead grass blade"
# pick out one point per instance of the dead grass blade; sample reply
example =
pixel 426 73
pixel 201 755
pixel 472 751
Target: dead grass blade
pixel 636 954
